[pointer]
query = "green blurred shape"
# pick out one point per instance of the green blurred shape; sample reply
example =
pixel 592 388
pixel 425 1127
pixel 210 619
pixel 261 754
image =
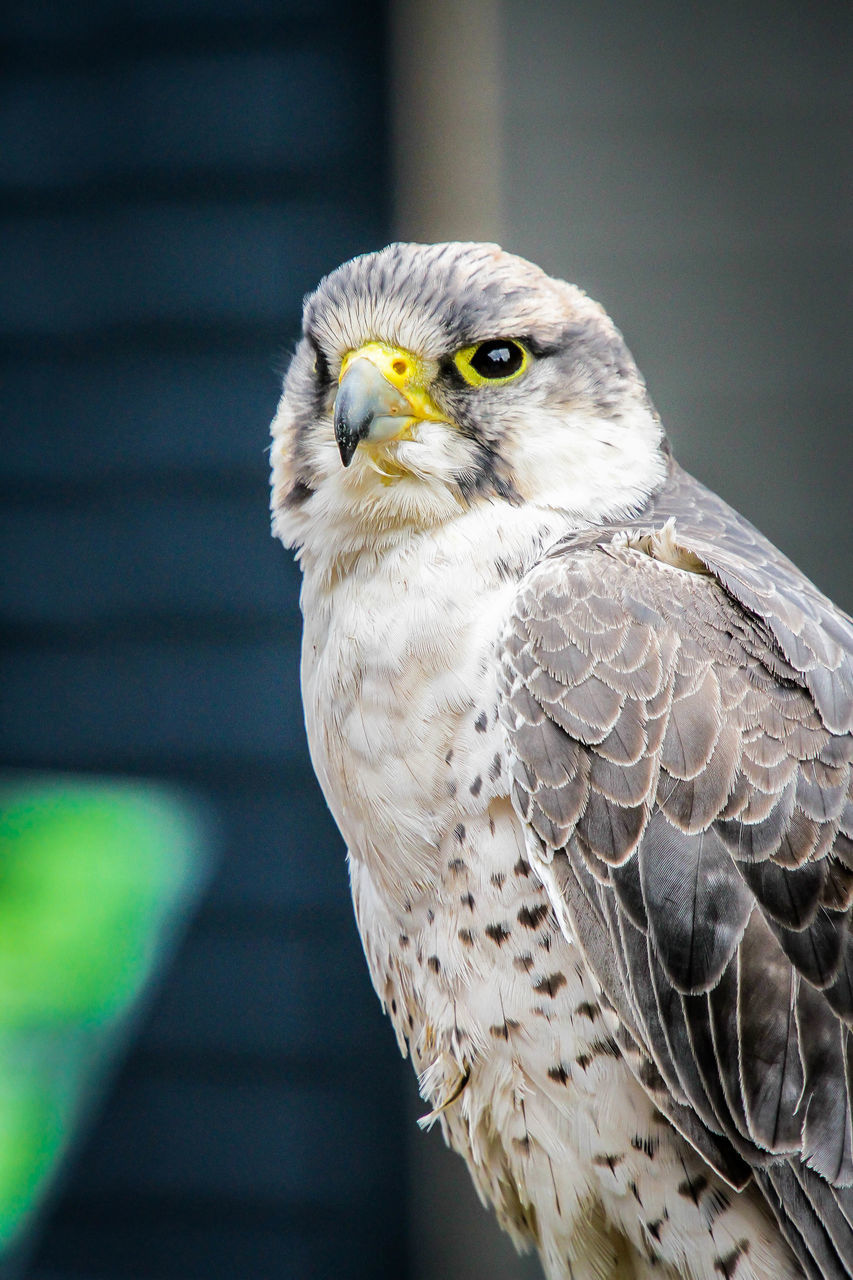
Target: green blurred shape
pixel 94 878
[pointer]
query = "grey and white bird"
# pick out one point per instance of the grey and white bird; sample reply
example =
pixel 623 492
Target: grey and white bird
pixel 587 736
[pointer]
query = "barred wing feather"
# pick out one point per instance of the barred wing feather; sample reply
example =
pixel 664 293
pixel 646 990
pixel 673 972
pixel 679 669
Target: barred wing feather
pixel 679 704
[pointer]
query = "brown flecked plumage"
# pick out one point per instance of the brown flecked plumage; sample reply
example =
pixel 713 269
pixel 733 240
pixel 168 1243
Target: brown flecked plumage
pixel 588 737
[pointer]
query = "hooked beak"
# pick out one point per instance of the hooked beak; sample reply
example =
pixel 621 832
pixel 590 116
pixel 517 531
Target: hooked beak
pixel 380 397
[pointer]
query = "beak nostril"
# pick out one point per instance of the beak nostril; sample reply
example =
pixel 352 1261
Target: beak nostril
pixel 399 366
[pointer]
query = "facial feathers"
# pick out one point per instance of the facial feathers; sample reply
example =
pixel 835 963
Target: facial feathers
pixel 576 432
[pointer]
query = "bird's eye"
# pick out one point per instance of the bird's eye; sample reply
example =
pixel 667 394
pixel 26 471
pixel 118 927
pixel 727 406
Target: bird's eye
pixel 498 360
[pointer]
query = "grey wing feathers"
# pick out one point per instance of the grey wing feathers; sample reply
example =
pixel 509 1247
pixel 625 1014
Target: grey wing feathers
pixel 679 704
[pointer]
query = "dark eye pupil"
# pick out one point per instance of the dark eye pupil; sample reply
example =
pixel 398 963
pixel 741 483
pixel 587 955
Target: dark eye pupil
pixel 497 359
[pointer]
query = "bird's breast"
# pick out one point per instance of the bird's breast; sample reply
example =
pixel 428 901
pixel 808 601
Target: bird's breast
pixel 399 686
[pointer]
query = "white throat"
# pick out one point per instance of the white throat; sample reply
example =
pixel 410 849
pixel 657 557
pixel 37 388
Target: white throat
pixel 583 469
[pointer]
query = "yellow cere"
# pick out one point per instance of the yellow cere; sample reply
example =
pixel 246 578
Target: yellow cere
pixel 462 360
pixel 405 371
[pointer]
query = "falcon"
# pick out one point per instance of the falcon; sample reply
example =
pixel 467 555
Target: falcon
pixel 587 736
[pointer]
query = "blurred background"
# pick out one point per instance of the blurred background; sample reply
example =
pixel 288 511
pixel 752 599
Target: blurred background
pixel 173 177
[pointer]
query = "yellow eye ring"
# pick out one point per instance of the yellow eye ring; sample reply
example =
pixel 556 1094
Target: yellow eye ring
pixel 493 362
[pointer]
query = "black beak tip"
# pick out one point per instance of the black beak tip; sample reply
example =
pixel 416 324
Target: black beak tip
pixel 350 428
pixel 347 445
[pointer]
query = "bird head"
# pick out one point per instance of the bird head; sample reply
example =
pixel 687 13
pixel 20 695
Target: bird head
pixel 433 378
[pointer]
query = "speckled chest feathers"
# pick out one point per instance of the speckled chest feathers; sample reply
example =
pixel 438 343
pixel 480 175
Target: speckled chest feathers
pixel 514 1047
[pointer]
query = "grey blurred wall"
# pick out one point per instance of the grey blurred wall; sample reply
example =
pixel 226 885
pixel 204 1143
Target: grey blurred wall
pixel 690 166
